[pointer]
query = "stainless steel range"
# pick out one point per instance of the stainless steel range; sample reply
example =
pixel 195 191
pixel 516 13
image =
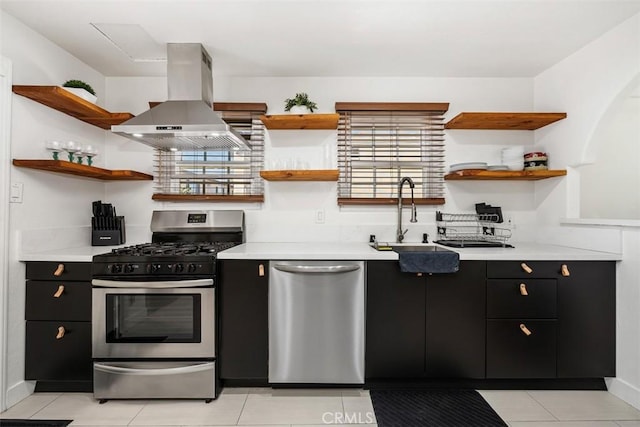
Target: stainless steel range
pixel 154 311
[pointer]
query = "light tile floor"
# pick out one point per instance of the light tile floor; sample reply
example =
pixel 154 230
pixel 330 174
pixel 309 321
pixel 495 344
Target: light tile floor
pixel 315 408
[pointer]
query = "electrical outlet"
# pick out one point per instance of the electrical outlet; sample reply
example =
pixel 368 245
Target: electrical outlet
pixel 320 216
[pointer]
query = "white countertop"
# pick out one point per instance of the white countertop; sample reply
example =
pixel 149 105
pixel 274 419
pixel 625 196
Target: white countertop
pixel 362 251
pixel 347 251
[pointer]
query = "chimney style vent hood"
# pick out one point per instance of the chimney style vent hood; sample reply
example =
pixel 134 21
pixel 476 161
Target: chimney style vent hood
pixel 187 120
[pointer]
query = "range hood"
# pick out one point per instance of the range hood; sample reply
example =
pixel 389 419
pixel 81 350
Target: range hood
pixel 187 120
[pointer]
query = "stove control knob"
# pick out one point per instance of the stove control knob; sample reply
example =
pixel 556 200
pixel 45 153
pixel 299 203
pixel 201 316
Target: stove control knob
pixel 191 268
pixel 116 268
pixel 128 268
pixel 178 268
pixel 155 268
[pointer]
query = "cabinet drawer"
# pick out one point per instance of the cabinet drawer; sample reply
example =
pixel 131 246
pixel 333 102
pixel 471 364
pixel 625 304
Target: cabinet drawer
pixel 72 303
pixel 51 359
pixel 505 298
pixel 513 354
pixel 46 270
pixel 515 270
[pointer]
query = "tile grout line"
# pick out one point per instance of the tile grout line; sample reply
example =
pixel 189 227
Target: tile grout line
pixel 45 406
pixel 543 407
pixel 138 413
pixel 244 403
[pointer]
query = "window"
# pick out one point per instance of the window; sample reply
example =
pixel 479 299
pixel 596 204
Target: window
pixel 216 174
pixel 380 143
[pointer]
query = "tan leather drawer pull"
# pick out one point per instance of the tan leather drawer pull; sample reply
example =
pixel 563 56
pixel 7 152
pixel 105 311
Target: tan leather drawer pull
pixel 419 274
pixel 61 332
pixel 524 329
pixel 523 290
pixel 526 268
pixel 59 291
pixel 565 270
pixel 59 270
pixel 261 270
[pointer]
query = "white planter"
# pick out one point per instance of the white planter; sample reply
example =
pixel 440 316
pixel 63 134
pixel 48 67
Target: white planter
pixel 299 109
pixel 81 93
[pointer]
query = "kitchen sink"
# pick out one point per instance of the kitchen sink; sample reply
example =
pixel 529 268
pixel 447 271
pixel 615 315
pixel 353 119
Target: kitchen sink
pixel 409 247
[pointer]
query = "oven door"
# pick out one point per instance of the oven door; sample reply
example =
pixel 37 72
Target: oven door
pixel 147 322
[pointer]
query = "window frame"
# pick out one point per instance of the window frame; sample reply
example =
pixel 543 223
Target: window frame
pixel 439 108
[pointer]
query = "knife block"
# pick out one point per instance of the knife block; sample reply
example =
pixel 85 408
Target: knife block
pixel 107 231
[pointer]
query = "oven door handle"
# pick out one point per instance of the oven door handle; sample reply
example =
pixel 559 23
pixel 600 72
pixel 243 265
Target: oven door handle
pixel 152 284
pixel 154 372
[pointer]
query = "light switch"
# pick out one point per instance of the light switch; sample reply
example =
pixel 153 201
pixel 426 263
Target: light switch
pixel 16 192
pixel 320 217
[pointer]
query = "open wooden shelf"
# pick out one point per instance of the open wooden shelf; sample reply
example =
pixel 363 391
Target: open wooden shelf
pixel 300 121
pixel 503 121
pixel 62 166
pixel 301 175
pixel 207 198
pixel 59 99
pixel 481 174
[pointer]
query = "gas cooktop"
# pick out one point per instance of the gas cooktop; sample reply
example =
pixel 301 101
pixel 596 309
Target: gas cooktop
pixel 173 248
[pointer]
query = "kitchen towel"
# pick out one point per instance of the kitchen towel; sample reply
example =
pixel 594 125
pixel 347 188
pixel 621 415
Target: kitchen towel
pixel 429 262
pixel 442 408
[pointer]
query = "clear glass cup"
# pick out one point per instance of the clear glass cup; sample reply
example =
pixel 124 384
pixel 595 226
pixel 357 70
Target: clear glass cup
pixel 55 147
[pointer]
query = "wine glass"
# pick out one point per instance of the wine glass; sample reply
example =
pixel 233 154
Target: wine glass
pixel 71 148
pixel 89 152
pixel 55 147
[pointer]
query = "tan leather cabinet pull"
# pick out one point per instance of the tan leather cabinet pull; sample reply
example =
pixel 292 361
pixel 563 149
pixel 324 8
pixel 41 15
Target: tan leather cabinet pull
pixel 59 270
pixel 523 290
pixel 419 274
pixel 261 270
pixel 61 332
pixel 565 270
pixel 526 268
pixel 59 291
pixel 524 329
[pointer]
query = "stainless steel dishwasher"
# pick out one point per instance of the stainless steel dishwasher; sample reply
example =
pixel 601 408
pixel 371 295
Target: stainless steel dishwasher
pixel 316 322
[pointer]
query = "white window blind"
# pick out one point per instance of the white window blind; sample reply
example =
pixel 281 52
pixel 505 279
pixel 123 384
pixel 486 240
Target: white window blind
pixel 216 174
pixel 380 143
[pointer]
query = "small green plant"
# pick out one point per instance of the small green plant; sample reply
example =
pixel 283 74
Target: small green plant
pixel 299 99
pixel 79 84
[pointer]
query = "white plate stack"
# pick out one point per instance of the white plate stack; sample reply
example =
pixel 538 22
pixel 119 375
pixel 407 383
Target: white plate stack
pixel 513 158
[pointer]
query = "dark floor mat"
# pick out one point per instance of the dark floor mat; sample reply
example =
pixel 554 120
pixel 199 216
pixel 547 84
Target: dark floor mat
pixel 438 408
pixel 34 423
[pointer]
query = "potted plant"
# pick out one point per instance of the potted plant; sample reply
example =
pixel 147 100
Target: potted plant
pixel 81 89
pixel 300 104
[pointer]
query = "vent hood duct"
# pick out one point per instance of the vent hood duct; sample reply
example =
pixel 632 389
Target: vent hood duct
pixel 187 120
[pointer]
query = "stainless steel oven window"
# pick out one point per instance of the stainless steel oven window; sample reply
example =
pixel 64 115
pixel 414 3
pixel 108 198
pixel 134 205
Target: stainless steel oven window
pixel 153 318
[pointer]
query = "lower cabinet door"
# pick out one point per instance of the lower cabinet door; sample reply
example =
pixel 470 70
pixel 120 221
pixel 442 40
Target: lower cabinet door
pixel 58 351
pixel 521 348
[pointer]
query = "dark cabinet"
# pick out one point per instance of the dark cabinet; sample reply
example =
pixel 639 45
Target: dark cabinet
pixel 521 349
pixel 425 325
pixel 243 316
pixel 58 330
pixel 587 320
pixel 455 332
pixel 562 325
pixel 396 321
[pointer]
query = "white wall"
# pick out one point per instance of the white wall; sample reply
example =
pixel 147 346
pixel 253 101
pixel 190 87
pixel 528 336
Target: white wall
pixel 50 201
pixel 289 211
pixel 614 150
pixel 584 85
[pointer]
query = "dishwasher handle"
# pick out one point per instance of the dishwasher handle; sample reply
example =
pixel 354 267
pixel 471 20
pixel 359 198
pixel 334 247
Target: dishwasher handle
pixel 332 269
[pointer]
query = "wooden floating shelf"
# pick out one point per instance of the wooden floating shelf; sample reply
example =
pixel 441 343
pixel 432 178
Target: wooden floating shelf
pixel 207 198
pixel 481 174
pixel 503 121
pixel 301 175
pixel 62 166
pixel 62 100
pixel 300 121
